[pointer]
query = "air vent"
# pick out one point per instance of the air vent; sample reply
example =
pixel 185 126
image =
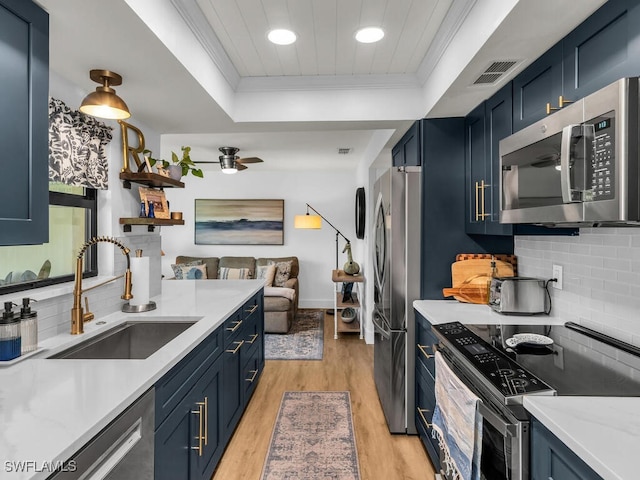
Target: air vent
pixel 344 151
pixel 494 72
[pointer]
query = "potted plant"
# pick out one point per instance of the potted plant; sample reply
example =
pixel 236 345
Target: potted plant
pixel 178 167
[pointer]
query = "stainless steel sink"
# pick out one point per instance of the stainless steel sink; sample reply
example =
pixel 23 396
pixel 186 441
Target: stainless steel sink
pixel 130 340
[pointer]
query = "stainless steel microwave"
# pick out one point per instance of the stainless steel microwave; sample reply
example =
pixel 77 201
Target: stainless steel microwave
pixel 578 166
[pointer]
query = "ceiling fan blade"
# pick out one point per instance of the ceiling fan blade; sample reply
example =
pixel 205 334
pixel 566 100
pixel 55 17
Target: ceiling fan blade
pixel 205 162
pixel 239 166
pixel 249 160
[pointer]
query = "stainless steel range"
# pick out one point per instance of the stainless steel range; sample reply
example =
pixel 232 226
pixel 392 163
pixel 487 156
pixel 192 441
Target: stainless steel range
pixel 503 363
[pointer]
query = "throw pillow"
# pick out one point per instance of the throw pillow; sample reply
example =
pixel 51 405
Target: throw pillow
pixel 268 273
pixel 192 272
pixel 233 273
pixel 177 268
pixel 283 272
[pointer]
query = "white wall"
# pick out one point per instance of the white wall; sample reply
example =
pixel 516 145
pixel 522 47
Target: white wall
pixel 332 194
pixel 601 269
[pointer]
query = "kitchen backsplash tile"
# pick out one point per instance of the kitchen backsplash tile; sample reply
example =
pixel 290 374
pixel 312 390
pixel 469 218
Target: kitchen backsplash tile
pixel 601 271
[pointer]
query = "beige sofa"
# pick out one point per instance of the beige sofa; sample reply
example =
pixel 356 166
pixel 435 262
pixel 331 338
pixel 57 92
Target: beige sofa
pixel 279 310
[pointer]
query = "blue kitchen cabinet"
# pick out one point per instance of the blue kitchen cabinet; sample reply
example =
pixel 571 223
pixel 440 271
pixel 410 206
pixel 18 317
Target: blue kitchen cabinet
pixel 200 401
pixel 540 83
pixel 602 49
pixel 425 386
pixel 407 152
pixel 553 460
pixel 485 126
pixel 24 124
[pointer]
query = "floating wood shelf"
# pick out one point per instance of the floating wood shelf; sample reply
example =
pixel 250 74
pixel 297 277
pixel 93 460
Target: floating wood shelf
pixel 149 222
pixel 149 179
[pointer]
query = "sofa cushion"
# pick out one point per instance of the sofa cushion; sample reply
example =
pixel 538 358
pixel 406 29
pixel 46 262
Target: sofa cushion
pixel 276 304
pixel 266 272
pixel 190 272
pixel 283 272
pixel 226 273
pixel 240 262
pixel 295 266
pixel 210 262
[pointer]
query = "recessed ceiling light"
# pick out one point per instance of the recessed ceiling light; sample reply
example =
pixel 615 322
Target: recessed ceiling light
pixel 369 35
pixel 281 36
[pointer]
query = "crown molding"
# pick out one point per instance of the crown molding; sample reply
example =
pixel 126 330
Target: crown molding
pixel 327 82
pixel 195 19
pixel 451 23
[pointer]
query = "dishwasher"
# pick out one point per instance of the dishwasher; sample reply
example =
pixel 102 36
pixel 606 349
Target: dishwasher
pixel 121 451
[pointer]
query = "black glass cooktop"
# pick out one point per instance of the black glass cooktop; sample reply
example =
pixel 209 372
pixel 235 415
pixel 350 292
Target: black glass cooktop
pixel 578 362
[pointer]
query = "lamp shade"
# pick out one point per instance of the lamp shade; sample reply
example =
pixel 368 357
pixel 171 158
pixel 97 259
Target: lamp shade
pixel 105 105
pixel 307 221
pixel 104 102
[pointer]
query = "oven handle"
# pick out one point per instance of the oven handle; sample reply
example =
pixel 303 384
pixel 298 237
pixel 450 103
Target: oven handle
pixel 504 427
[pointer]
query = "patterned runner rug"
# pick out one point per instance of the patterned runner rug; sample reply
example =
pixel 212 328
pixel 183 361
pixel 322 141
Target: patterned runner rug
pixel 303 342
pixel 313 439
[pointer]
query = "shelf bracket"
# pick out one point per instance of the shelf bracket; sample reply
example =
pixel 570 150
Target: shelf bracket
pixel 126 184
pixel 126 228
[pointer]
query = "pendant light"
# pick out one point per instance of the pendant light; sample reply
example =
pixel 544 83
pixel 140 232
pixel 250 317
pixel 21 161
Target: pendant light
pixel 104 102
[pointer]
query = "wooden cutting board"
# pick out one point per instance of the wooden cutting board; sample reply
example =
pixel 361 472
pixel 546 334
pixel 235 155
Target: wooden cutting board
pixel 477 270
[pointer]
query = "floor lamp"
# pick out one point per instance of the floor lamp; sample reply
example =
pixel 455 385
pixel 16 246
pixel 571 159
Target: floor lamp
pixel 315 222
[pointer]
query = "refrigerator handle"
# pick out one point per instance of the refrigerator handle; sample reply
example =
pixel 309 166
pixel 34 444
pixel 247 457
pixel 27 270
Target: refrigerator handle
pixel 385 332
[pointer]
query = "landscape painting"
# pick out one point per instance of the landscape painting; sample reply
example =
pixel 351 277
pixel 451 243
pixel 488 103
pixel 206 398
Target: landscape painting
pixel 239 222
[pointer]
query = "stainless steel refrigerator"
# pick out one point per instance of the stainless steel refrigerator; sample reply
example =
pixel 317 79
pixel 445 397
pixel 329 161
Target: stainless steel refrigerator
pixel 397 227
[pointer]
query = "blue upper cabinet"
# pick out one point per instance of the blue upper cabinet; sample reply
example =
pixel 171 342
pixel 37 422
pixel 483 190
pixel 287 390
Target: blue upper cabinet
pixel 407 150
pixel 540 83
pixel 602 49
pixel 24 63
pixel 485 126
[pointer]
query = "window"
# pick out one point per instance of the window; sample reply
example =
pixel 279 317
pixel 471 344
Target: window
pixel 72 221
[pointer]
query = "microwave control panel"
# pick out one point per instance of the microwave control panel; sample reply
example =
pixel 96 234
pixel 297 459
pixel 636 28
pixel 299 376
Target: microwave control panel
pixel 602 171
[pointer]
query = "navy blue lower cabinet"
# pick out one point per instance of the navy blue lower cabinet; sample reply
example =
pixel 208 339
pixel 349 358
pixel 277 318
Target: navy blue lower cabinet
pixel 232 386
pixel 425 387
pixel 553 460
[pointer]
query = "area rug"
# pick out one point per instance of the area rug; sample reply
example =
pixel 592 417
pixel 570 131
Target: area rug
pixel 313 439
pixel 303 342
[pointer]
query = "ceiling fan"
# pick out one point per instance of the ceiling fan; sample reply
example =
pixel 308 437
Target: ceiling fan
pixel 230 162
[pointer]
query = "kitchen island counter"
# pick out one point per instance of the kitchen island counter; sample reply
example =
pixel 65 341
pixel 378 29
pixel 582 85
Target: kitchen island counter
pixel 603 431
pixel 49 408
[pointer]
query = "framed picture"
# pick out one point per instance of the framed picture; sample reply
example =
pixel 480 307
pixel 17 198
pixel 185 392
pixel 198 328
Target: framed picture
pixel 239 222
pixel 157 197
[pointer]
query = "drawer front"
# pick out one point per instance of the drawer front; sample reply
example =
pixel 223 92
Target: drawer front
pixel 174 385
pixel 251 374
pixel 425 351
pixel 233 327
pixel 425 405
pixel 253 307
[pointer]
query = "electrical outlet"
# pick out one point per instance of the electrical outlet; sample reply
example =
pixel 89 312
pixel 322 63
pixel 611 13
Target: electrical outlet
pixel 557 274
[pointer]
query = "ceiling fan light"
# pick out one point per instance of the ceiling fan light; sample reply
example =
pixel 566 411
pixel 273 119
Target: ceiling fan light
pixel 229 170
pixel 228 164
pixel 281 36
pixel 369 35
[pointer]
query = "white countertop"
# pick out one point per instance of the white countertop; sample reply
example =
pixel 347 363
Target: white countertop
pixel 51 408
pixel 602 431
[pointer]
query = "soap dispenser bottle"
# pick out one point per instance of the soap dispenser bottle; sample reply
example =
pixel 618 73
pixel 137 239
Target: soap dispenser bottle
pixel 9 333
pixel 28 326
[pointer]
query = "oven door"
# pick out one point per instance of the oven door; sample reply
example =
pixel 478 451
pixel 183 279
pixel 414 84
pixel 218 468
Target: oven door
pixel 505 435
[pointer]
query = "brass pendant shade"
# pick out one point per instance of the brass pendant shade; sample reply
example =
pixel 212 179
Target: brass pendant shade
pixel 104 102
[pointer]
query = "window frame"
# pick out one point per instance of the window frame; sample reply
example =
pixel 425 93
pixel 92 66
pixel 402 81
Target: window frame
pixel 88 201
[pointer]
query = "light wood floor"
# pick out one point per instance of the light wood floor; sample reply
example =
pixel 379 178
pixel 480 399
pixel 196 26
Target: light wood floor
pixel 347 365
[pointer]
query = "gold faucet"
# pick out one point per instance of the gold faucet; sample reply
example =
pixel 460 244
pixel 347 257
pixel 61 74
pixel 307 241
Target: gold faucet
pixel 78 316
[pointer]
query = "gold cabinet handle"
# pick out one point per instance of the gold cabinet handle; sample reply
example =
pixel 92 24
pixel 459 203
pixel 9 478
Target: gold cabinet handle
pixel 424 352
pixel 421 412
pixel 235 350
pixel 477 202
pixel 255 337
pixel 551 109
pixel 480 201
pixel 235 327
pixel 206 420
pixel 252 309
pixel 253 377
pixel 200 436
pixel 562 102
pixel 482 187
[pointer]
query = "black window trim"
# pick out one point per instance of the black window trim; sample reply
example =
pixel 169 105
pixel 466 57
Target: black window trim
pixel 88 201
